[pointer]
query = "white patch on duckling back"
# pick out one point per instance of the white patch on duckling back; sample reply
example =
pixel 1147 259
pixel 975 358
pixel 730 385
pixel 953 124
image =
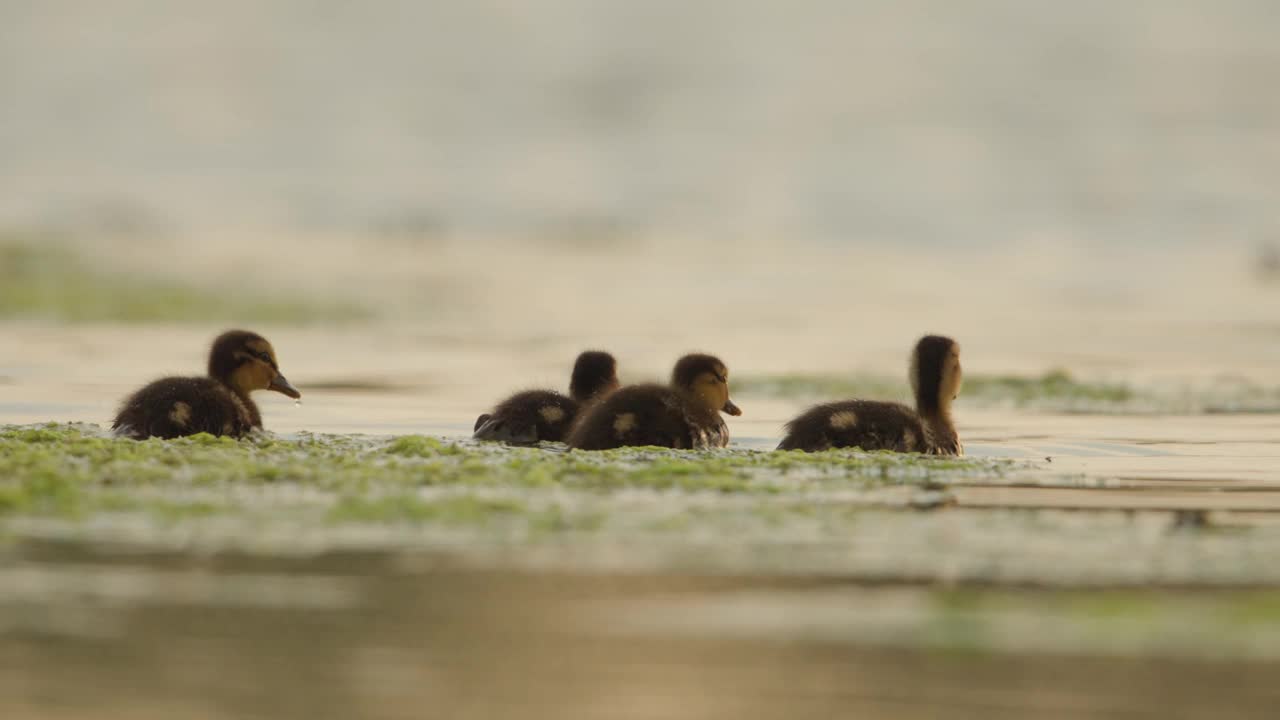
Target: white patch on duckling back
pixel 844 420
pixel 552 414
pixel 181 414
pixel 624 423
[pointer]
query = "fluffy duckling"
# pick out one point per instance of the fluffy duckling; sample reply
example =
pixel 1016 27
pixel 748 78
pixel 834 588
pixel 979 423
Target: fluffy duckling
pixel 239 363
pixel 869 425
pixel 684 415
pixel 536 415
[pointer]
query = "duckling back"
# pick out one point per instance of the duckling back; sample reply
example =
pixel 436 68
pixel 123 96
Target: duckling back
pixel 180 406
pixel 642 415
pixel 528 417
pixel 863 424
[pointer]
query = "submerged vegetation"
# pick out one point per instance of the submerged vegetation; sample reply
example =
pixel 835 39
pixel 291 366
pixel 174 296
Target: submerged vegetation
pixel 42 278
pixel 874 516
pixel 79 475
pixel 1054 391
pixel 1056 388
pixel 76 470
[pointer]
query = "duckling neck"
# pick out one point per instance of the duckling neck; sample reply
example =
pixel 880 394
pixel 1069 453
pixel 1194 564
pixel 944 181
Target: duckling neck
pixel 692 399
pixel 585 390
pixel 941 431
pixel 250 407
pixel 581 393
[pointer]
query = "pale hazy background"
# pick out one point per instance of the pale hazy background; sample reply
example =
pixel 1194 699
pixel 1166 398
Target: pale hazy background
pixel 460 195
pixel 845 122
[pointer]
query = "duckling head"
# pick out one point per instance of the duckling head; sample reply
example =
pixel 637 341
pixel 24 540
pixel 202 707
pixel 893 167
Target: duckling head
pixel 705 378
pixel 594 373
pixel 245 361
pixel 935 374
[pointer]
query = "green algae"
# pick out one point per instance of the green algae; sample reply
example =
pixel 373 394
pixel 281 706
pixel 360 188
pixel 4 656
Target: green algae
pixel 1249 608
pixel 868 515
pixel 41 277
pixel 73 470
pixel 1056 390
pixel 1130 621
pixel 420 446
pixel 1053 387
pixel 1093 603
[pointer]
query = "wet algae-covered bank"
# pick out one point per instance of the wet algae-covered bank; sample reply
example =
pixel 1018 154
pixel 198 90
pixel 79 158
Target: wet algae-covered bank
pixel 878 517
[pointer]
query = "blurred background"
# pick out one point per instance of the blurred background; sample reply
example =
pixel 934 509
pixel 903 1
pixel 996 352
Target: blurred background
pixel 865 123
pixel 408 191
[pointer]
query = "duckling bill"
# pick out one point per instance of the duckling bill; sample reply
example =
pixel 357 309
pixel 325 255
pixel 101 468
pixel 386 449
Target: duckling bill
pixel 685 414
pixel 240 362
pixel 870 425
pixel 544 415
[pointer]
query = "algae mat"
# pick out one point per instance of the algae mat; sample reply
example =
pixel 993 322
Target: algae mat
pixel 860 516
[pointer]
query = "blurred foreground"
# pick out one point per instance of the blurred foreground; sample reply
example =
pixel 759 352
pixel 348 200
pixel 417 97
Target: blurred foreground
pixel 375 637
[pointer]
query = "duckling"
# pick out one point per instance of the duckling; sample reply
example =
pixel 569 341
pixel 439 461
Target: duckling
pixel 870 425
pixel 536 415
pixel 239 363
pixel 684 415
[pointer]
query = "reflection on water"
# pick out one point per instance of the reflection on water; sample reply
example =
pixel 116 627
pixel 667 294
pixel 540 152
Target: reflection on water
pixel 375 637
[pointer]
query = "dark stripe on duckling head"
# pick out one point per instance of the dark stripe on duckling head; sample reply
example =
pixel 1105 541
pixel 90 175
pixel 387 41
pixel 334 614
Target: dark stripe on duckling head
pixel 594 372
pixel 260 349
pixel 928 364
pixel 231 350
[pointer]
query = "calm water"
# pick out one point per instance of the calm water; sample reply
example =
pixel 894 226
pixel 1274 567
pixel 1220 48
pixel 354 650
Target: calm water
pixel 130 630
pixel 364 636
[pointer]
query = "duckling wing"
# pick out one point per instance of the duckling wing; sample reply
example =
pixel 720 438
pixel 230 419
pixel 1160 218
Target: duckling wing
pixel 862 424
pixel 633 416
pixel 528 417
pixel 178 407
